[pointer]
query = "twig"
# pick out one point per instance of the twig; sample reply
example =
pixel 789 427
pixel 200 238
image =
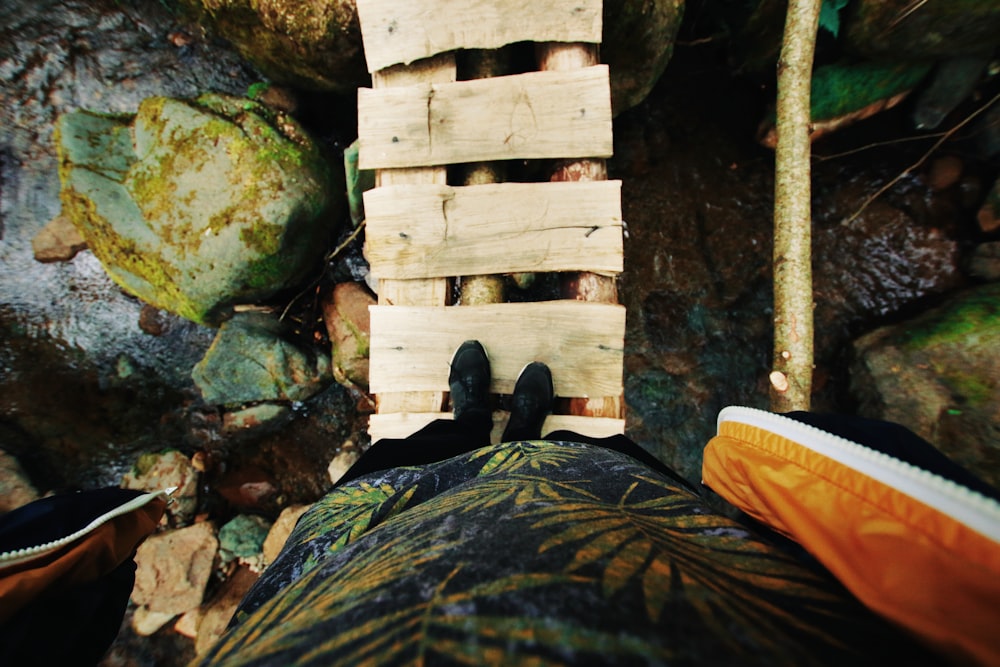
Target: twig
pixel 923 158
pixel 350 239
pixel 877 144
pixel 336 251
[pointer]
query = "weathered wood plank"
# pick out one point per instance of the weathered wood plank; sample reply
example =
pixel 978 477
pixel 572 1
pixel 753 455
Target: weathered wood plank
pixel 531 115
pixel 434 231
pixel 434 292
pixel 401 32
pixel 402 425
pixel 581 342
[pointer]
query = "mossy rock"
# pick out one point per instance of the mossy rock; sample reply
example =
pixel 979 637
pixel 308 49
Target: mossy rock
pixel 939 374
pixel 906 30
pixel 309 45
pixel 193 206
pixel 251 361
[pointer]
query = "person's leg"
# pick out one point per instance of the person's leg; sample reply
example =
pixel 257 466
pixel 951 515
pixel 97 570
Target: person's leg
pixel 624 445
pixel 469 381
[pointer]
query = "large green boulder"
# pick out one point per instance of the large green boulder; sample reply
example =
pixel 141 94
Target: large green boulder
pixel 193 206
pixel 939 375
pixel 313 45
pixel 932 29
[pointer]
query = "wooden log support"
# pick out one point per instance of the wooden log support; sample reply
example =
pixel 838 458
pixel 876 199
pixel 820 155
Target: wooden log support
pixel 524 116
pixel 587 285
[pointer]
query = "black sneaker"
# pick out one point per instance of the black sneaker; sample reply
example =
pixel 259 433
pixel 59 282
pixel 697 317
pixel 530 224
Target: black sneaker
pixel 469 381
pixel 530 404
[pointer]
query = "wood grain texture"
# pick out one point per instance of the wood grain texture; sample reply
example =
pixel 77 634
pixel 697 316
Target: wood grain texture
pixel 405 424
pixel 581 342
pixel 401 32
pixel 432 292
pixel 435 231
pixel 523 116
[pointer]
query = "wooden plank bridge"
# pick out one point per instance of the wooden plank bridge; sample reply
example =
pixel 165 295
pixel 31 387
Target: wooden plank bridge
pixel 422 232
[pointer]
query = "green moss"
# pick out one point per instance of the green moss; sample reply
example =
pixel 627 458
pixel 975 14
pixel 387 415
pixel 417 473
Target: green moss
pixel 975 390
pixel 838 90
pixel 263 237
pixel 266 273
pixel 116 251
pixel 977 312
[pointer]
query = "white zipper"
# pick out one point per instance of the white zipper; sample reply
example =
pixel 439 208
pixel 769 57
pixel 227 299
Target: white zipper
pixel 978 512
pixel 9 558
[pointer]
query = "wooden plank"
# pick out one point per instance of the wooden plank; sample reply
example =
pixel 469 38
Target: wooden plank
pixel 433 231
pixel 402 425
pixel 401 32
pixel 531 115
pixel 439 69
pixel 581 342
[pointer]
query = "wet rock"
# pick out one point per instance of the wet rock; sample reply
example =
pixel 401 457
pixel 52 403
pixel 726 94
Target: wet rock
pixel 158 471
pixel 58 241
pixel 314 46
pixel 248 488
pixel 172 570
pixel 989 214
pixel 214 616
pixel 893 262
pixel 152 321
pixel 944 172
pixel 951 82
pixel 985 262
pixel 903 29
pixel 939 375
pixel 342 462
pixel 638 43
pixel 281 530
pixel 16 489
pixel 254 416
pixel 345 312
pixel 251 361
pixel 193 206
pixel 241 540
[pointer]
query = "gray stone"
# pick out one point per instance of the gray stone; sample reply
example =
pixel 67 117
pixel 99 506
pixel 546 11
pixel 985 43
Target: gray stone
pixel 939 375
pixel 250 361
pixel 345 312
pixel 985 261
pixel 638 43
pixel 16 489
pixel 58 241
pixel 193 206
pixel 903 29
pixel 162 470
pixel 172 570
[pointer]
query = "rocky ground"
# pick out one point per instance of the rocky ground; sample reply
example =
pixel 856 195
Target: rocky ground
pixel 95 384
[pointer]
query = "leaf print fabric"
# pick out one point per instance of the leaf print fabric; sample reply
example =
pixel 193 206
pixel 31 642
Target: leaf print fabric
pixel 542 553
